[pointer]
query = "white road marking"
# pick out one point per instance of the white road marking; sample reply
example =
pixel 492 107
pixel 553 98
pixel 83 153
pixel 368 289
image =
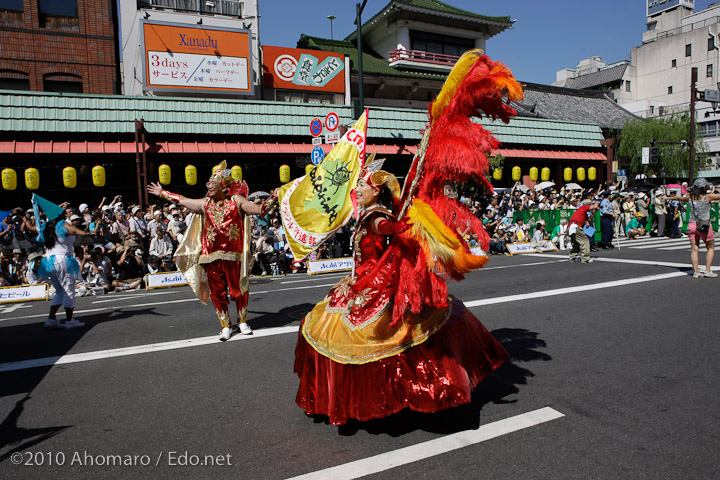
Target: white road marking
pixel 575 289
pixel 12 307
pixel 520 265
pixel 686 247
pixel 125 351
pixel 324 277
pixel 134 296
pixel 140 305
pixel 81 357
pixel 431 448
pixel 654 263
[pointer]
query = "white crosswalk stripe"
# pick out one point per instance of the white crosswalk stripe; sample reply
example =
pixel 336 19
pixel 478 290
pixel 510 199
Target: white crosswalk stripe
pixel 657 243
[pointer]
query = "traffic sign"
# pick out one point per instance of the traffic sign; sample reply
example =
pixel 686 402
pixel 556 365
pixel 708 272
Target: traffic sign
pixel 316 127
pixel 332 121
pixel 317 155
pixel 332 137
pixel 317 140
pixel 622 172
pixel 711 95
pixel 645 156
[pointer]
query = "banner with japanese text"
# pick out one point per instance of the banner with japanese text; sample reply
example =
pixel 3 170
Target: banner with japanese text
pixel 315 206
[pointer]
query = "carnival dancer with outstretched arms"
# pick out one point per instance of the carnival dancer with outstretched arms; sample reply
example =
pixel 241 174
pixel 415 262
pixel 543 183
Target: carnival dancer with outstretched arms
pixel 388 336
pixel 217 240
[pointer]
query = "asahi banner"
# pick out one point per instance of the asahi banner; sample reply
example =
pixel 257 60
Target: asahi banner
pixel 164 279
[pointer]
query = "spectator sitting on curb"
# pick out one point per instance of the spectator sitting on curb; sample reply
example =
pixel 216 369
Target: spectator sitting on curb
pixel 635 228
pixel 560 236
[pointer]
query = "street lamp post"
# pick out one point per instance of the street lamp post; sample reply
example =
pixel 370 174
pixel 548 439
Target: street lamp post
pixel 331 18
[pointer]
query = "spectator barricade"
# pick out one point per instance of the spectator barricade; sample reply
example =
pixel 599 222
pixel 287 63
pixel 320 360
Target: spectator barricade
pixel 552 219
pixel 164 280
pixel 23 293
pixel 329 265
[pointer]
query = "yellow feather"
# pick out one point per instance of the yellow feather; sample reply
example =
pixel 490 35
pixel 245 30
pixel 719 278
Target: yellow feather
pixel 442 247
pixel 453 81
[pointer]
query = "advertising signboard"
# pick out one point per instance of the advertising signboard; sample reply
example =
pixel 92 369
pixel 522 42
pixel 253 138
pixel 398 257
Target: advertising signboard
pixel 299 69
pixel 656 6
pixel 196 58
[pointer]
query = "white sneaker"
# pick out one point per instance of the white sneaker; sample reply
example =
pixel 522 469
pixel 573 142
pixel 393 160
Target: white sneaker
pixel 74 324
pixel 245 329
pixel 710 274
pixel 52 324
pixel 225 334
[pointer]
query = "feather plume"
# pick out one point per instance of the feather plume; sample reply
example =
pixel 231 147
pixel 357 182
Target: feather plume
pixel 453 81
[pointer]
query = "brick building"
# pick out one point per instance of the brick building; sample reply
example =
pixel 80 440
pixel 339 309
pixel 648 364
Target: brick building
pixel 59 46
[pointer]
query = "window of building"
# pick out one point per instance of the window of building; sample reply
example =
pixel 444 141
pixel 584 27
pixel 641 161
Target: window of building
pixel 651 26
pixel 673 63
pixel 627 85
pixel 435 43
pixel 296 96
pixel 62 82
pixel 14 80
pixel 709 71
pixel 711 43
pixel 661 110
pixel 652 109
pixel 709 129
pixel 14 5
pixel 688 50
pixel 11 13
pixel 669 89
pixel 59 14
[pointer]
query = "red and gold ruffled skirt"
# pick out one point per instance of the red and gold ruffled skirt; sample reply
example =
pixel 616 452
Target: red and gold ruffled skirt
pixel 433 373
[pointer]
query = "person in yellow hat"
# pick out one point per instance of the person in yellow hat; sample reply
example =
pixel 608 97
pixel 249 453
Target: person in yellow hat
pixel 634 228
pixel 218 242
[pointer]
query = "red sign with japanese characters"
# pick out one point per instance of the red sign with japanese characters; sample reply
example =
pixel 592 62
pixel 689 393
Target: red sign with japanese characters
pixel 298 69
pixel 196 58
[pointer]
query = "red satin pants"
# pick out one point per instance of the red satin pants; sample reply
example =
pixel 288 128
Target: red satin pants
pixel 223 277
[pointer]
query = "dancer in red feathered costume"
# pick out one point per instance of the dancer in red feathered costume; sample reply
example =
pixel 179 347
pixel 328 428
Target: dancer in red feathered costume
pixel 217 240
pixel 388 336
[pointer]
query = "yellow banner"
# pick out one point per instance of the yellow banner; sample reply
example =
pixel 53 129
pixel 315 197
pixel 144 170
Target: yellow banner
pixel 313 207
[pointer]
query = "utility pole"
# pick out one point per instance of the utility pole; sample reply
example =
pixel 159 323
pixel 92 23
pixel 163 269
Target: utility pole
pixel 361 99
pixel 693 99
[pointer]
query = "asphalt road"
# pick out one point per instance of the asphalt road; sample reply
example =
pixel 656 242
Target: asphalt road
pixel 613 376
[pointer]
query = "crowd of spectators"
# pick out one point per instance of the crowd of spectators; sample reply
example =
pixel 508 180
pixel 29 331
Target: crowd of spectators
pixel 631 212
pixel 127 242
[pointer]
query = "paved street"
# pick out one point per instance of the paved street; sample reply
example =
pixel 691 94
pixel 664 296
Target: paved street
pixel 613 376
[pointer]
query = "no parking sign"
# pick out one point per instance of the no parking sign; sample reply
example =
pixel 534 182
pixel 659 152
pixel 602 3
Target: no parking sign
pixel 317 155
pixel 316 127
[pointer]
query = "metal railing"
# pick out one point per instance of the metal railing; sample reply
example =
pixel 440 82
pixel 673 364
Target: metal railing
pixel 232 8
pixel 422 57
pixel 685 29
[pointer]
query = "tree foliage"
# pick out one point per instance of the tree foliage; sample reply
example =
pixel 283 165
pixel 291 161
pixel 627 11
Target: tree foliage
pixel 674 156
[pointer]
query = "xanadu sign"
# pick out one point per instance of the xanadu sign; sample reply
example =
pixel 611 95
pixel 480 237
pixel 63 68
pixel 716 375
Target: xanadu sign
pixel 298 69
pixel 189 57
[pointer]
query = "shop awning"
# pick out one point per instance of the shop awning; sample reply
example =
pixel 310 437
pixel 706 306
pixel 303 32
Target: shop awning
pixel 549 154
pixel 52 147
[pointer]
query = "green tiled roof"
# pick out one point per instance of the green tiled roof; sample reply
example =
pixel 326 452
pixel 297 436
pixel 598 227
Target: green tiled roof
pixel 22 112
pixel 371 65
pixel 445 8
pixel 434 6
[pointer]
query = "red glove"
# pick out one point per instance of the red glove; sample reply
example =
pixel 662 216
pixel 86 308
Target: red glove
pixel 387 227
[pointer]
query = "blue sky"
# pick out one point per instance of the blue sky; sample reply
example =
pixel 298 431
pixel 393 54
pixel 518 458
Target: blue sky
pixel 547 36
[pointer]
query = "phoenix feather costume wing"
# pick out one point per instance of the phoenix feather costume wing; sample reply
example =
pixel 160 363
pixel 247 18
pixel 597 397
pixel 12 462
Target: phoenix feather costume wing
pixel 453 149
